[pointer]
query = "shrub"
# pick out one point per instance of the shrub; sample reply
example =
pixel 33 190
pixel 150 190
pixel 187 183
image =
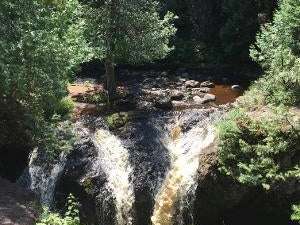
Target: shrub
pixel 296 213
pixel 71 217
pixel 117 120
pixel 55 136
pixel 259 151
pixel 65 106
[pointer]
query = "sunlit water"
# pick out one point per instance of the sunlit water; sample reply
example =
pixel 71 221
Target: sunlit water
pixel 113 160
pixel 43 177
pixel 185 150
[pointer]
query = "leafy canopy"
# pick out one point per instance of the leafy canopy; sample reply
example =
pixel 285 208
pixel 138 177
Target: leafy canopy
pixel 129 31
pixel 41 43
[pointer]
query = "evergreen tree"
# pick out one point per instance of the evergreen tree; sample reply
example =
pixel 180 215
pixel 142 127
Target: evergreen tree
pixel 123 31
pixel 278 51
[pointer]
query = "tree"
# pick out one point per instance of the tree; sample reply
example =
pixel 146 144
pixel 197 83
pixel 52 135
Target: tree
pixel 277 50
pixel 128 32
pixel 42 42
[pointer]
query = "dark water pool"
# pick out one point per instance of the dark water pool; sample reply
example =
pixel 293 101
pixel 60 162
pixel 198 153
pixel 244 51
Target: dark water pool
pixel 225 94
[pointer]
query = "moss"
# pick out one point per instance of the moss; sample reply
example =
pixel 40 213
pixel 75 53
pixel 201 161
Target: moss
pixel 117 120
pixel 88 185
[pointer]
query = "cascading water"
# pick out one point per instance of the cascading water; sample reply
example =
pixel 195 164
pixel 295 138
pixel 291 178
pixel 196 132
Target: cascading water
pixel 42 178
pixel 181 180
pixel 113 159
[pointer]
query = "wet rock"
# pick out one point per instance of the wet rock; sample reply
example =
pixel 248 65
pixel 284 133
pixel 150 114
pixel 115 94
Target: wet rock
pixel 207 84
pixel 180 104
pixel 177 95
pixel 192 84
pixel 208 98
pixel 197 91
pixel 236 87
pixel 198 99
pixel 163 103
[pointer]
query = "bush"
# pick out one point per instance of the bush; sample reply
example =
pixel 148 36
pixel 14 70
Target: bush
pixel 65 106
pixel 296 213
pixel 259 150
pixel 71 217
pixel 117 120
pixel 55 136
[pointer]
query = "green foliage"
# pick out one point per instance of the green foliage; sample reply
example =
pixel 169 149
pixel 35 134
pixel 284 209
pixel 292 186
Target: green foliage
pixel 71 217
pixel 278 49
pixel 117 120
pixel 259 151
pixel 55 136
pixel 129 32
pixel 296 213
pixel 96 98
pixel 65 106
pixel 41 45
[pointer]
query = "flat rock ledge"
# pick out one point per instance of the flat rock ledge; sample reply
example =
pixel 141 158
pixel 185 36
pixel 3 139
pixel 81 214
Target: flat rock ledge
pixel 17 205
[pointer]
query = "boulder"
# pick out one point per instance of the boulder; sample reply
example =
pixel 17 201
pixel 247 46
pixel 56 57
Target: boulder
pixel 177 95
pixel 180 104
pixel 207 84
pixel 163 103
pixel 236 87
pixel 192 84
pixel 197 91
pixel 197 99
pixel 208 98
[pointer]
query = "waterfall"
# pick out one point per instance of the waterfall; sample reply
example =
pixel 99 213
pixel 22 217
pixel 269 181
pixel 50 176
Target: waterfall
pixel 42 177
pixel 181 179
pixel 113 159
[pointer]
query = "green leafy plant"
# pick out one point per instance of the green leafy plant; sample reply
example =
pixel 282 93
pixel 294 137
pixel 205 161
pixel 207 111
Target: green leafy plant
pixel 65 106
pixel 71 217
pixel 117 120
pixel 296 213
pixel 259 151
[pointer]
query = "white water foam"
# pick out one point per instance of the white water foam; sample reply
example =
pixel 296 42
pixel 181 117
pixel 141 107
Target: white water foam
pixel 181 180
pixel 113 159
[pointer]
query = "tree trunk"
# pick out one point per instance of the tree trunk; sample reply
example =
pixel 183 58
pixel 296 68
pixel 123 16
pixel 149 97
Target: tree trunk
pixel 110 79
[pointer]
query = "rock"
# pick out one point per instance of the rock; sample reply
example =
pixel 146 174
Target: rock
pixel 197 99
pixel 208 98
pixel 164 73
pixel 192 84
pixel 176 95
pixel 197 91
pixel 180 104
pixel 207 84
pixel 236 87
pixel 16 205
pixel 163 103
